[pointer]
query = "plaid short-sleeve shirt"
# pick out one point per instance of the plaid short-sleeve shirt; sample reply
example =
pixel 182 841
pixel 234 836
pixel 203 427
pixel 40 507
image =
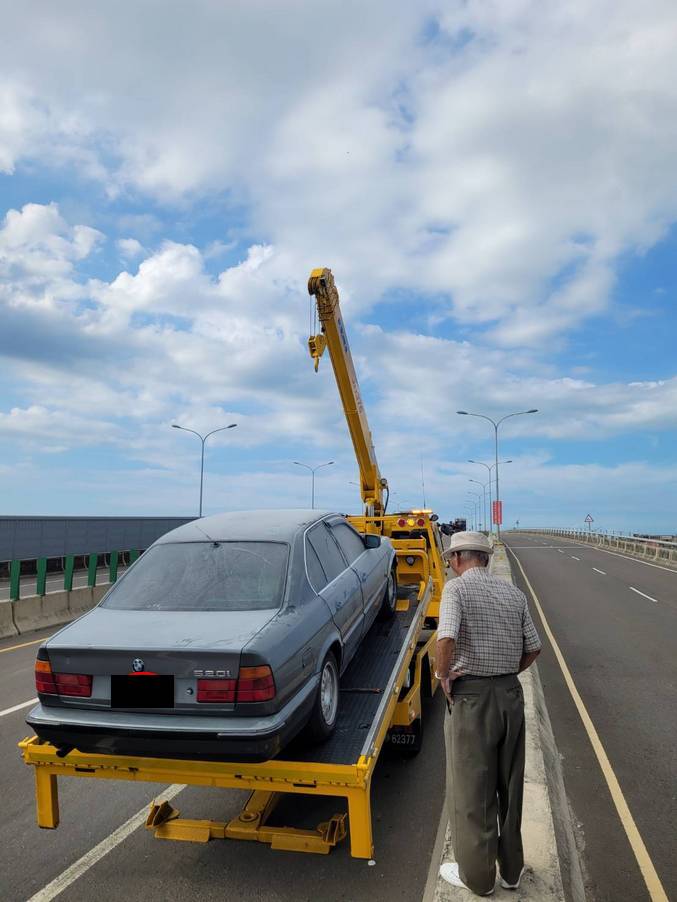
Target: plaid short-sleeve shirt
pixel 489 619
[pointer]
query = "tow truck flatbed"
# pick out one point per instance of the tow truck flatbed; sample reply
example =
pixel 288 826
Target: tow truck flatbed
pixel 375 696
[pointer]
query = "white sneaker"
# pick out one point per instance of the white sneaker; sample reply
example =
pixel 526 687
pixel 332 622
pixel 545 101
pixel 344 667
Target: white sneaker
pixel 449 872
pixel 512 885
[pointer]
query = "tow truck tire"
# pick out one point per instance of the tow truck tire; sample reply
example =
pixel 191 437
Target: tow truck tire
pixel 389 603
pixel 325 709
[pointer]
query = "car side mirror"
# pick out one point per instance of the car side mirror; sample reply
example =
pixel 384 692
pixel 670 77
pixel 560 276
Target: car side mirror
pixel 372 541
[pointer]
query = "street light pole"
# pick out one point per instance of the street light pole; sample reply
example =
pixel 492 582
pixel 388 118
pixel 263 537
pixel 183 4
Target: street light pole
pixel 470 509
pixel 203 439
pixel 496 424
pixel 477 504
pixel 312 473
pixel 484 499
pixel 489 468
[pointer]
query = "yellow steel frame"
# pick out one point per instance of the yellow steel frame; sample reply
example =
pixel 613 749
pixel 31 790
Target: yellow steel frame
pixel 428 555
pixel 265 781
pixel 333 336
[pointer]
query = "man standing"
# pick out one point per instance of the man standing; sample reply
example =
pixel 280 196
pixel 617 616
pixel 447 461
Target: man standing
pixel 485 638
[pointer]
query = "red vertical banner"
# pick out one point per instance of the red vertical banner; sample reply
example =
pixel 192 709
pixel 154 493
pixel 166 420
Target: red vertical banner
pixel 497 512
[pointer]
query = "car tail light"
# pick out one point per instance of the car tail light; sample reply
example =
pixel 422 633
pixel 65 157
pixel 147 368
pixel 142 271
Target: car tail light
pixel 216 690
pixel 420 522
pixel 44 678
pixel 75 684
pixel 255 684
pixel 401 522
pixel 78 685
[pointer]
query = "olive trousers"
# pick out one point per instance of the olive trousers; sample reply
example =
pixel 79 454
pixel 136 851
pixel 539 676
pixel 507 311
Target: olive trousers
pixel 484 738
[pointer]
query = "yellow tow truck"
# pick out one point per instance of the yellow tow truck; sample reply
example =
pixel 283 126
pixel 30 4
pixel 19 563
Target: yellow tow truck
pixel 381 692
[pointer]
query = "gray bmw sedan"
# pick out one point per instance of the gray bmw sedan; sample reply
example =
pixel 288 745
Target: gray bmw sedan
pixel 224 640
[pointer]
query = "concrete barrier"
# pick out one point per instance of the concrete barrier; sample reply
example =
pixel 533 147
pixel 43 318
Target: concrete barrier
pixel 82 600
pixel 36 612
pixel 39 611
pixel 7 625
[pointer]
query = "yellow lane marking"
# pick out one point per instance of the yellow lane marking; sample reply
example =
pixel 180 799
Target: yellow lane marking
pixel 23 645
pixel 651 879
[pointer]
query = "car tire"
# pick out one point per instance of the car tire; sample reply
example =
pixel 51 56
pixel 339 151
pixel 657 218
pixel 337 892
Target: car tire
pixel 324 715
pixel 389 602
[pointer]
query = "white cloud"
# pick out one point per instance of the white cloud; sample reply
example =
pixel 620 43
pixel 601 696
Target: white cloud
pixel 507 161
pixel 129 248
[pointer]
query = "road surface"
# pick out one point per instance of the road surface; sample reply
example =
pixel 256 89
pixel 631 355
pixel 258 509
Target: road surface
pixel 407 798
pixel 615 620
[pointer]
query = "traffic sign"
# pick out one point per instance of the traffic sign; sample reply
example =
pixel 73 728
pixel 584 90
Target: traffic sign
pixel 589 519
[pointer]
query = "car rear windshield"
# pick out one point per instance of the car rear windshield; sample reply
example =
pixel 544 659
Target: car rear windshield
pixel 204 576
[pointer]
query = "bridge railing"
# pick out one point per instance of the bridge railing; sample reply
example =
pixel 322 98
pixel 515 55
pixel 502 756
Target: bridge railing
pixel 38 570
pixel 657 550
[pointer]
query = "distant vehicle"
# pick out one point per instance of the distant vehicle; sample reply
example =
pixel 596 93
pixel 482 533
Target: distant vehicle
pixel 224 640
pixel 457 525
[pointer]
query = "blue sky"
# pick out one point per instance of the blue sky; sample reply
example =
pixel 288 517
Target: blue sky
pixel 492 183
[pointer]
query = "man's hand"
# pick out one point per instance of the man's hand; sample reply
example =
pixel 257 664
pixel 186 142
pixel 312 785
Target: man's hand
pixel 447 685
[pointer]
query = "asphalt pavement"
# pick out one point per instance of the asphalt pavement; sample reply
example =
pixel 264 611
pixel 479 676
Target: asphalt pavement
pixel 615 621
pixel 407 797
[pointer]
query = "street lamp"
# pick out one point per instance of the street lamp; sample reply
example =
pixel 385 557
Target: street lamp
pixel 312 471
pixel 477 503
pixel 203 439
pixel 496 424
pixel 484 497
pixel 470 509
pixel 489 467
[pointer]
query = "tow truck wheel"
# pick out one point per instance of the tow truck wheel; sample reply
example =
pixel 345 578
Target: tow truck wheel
pixel 389 603
pixel 325 710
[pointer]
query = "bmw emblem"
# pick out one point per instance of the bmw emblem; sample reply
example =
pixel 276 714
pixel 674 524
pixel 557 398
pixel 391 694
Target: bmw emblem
pixel 138 665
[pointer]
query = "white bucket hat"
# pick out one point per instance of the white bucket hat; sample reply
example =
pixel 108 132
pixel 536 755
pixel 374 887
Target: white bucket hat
pixel 470 541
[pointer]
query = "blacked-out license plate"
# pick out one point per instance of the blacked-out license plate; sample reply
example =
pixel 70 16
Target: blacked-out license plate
pixel 142 691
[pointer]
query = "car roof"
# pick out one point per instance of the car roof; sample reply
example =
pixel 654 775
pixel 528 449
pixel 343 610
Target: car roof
pixel 246 526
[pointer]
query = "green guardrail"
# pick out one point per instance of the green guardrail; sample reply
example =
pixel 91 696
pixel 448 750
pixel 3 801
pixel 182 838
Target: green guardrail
pixel 92 568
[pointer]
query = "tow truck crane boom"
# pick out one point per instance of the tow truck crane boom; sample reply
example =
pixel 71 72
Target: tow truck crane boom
pixel 333 336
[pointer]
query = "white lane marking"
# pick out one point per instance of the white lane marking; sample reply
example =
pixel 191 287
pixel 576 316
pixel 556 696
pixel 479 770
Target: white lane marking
pixel 32 701
pixel 71 874
pixel 627 557
pixel 560 551
pixel 573 556
pixel 599 571
pixel 643 594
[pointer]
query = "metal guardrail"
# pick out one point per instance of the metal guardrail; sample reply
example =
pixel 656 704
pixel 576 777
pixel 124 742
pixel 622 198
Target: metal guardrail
pixel 647 549
pixel 116 559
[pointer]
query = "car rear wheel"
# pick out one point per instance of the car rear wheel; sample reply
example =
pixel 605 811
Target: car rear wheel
pixel 325 710
pixel 389 603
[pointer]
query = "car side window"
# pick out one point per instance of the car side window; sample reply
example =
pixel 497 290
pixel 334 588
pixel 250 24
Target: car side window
pixel 316 574
pixel 350 542
pixel 327 551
